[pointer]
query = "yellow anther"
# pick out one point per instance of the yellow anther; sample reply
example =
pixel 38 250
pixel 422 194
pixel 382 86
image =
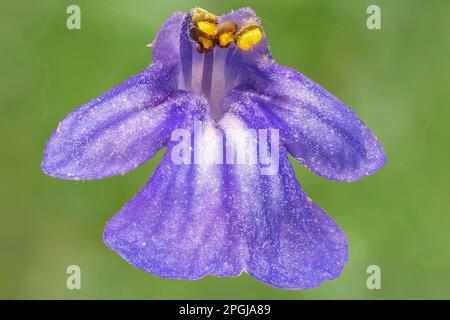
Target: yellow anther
pixel 206 32
pixel 225 33
pixel 205 21
pixel 249 36
pixel 205 43
pixel 207 27
pixel 199 14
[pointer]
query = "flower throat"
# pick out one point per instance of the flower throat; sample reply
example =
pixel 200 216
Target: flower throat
pixel 211 55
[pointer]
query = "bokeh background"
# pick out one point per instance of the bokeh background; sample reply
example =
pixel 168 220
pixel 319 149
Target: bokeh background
pixel 397 79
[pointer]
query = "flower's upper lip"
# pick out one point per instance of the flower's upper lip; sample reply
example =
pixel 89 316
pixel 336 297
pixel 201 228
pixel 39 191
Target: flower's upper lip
pixel 166 47
pixel 212 70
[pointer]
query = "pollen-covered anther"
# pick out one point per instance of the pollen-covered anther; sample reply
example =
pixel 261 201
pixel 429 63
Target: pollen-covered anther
pixel 205 21
pixel 249 36
pixel 225 33
pixel 205 42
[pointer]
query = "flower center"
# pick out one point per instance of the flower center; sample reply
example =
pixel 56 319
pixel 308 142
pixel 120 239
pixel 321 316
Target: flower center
pixel 212 55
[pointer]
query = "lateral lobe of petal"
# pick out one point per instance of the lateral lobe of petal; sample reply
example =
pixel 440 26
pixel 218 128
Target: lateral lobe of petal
pixel 319 130
pixel 291 243
pixel 118 131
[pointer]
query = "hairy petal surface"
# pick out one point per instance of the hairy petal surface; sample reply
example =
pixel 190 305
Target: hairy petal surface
pixel 291 243
pixel 193 220
pixel 319 131
pixel 177 226
pixel 166 46
pixel 119 130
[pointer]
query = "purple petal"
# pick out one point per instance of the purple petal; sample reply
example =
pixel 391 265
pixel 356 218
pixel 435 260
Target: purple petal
pixel 119 130
pixel 193 220
pixel 166 46
pixel 177 226
pixel 186 47
pixel 319 131
pixel 291 242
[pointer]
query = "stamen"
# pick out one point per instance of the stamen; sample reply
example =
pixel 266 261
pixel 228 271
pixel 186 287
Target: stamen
pixel 214 72
pixel 208 65
pixel 249 36
pixel 207 27
pixel 203 18
pixel 233 64
pixel 204 29
pixel 205 43
pixel 225 33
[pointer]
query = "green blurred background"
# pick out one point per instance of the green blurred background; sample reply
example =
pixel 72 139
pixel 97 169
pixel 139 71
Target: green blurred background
pixel 397 79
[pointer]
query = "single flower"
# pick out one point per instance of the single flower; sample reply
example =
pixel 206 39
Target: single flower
pixel 190 221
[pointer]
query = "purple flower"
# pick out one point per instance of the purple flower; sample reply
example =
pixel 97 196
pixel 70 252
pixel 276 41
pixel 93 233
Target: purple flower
pixel 194 220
